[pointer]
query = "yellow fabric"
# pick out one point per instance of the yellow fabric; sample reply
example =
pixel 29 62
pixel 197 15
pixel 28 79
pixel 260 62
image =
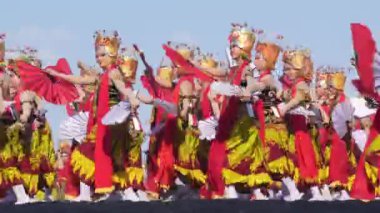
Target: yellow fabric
pixel 374 148
pixel 134 148
pixel 282 165
pixel 187 149
pixel 10 144
pixel 372 173
pixel 42 147
pixel 192 174
pixel 50 178
pixel 30 182
pixel 135 175
pixel 40 195
pixel 9 175
pixel 187 152
pixel 244 144
pixel 104 190
pixel 230 177
pixel 277 134
pixel 131 176
pixel 82 165
pixel 120 178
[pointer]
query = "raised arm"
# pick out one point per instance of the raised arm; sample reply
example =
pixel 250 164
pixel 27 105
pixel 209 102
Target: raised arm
pixel 81 80
pixel 215 72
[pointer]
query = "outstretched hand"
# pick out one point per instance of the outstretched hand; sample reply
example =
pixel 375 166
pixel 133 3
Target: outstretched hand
pixel 51 72
pixel 82 65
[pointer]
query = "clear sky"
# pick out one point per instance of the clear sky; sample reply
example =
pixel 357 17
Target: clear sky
pixel 65 28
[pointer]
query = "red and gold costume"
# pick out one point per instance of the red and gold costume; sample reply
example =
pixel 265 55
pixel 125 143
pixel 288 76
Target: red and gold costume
pixel 237 132
pixel 301 150
pixel 161 158
pixel 340 155
pixel 110 155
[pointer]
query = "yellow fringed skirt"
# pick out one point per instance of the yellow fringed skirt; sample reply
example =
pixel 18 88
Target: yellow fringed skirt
pixel 188 162
pixel 245 156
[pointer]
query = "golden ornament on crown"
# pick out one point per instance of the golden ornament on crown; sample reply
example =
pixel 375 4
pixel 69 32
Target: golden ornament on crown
pixel 337 80
pixel 300 60
pixel 166 73
pixel 128 64
pixel 187 51
pixel 110 42
pixel 243 37
pixel 208 61
pixel 269 49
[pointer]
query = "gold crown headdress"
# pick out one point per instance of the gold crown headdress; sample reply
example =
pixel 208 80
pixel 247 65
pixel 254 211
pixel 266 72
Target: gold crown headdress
pixel 110 42
pixel 165 71
pixel 337 80
pixel 207 61
pixel 243 37
pixel 187 51
pixel 269 48
pixel 128 63
pixel 299 59
pixel 26 54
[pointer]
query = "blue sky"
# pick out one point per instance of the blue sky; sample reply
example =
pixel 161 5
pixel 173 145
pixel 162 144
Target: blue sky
pixel 65 28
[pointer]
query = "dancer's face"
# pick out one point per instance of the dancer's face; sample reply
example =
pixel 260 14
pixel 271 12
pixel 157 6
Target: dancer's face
pixel 291 73
pixel 320 91
pixel 333 93
pixel 260 62
pixel 103 58
pixel 235 52
pixel 14 85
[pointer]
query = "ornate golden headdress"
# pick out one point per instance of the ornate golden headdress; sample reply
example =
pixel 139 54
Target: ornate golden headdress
pixel 110 42
pixel 243 37
pixel 270 51
pixel 26 54
pixel 166 73
pixel 337 80
pixel 299 59
pixel 187 51
pixel 208 61
pixel 128 63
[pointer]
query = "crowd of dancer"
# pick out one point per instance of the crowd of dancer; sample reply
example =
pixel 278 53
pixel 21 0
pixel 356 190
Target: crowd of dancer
pixel 218 130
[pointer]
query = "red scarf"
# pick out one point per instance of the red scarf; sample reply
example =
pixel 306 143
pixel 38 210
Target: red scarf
pixel 258 107
pixel 103 146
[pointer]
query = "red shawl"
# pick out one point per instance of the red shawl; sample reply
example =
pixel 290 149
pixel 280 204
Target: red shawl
pixel 103 146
